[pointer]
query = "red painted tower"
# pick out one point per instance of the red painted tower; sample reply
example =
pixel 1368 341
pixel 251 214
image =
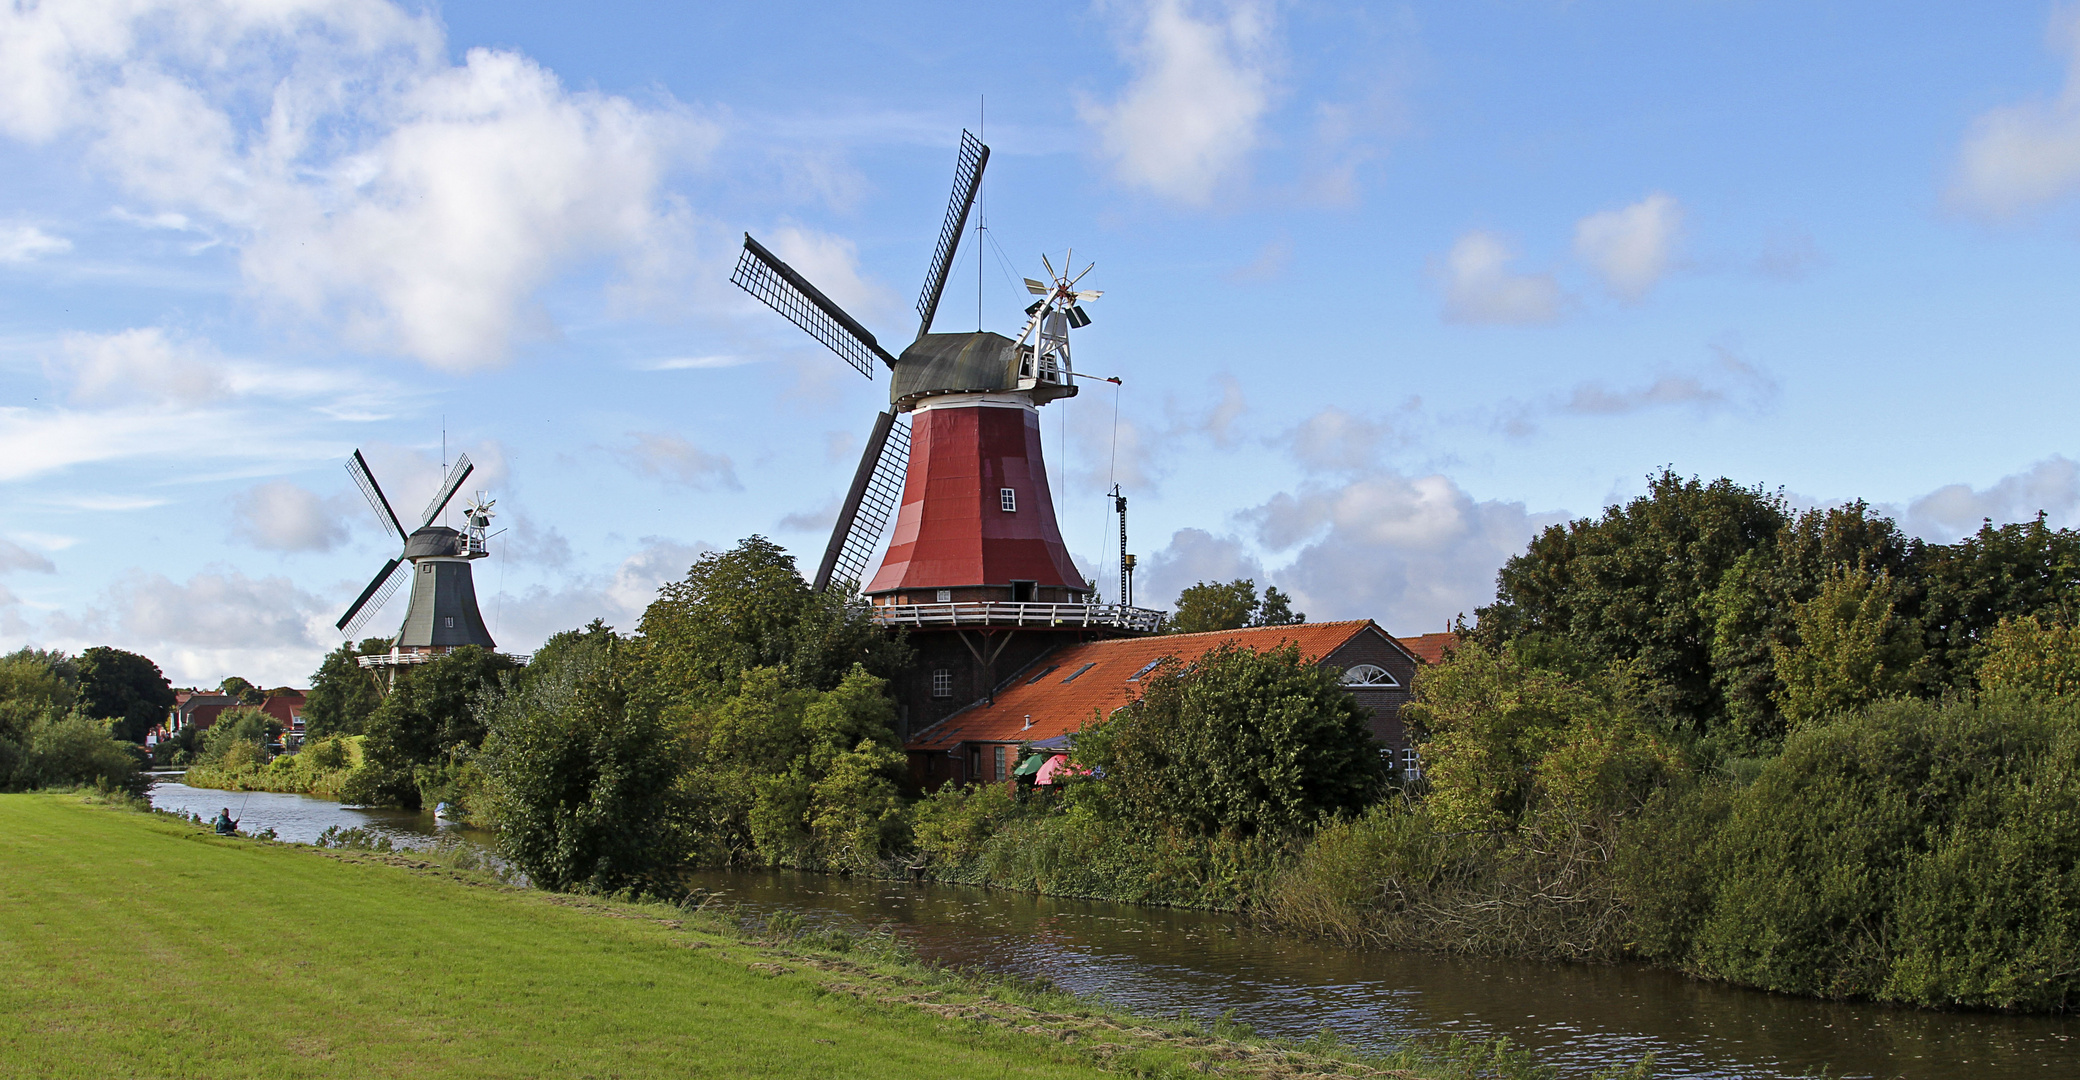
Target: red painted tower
pixel 976 570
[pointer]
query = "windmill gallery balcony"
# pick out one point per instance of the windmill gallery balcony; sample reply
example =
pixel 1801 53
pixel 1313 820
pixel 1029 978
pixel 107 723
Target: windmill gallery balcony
pixel 1063 616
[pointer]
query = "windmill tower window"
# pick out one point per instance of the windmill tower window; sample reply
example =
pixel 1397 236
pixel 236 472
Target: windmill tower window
pixel 449 621
pixel 1009 499
pixel 942 683
pixel 946 596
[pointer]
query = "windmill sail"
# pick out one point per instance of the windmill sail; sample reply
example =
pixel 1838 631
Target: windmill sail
pixel 877 488
pixel 358 468
pixel 967 180
pixel 385 583
pixel 455 478
pixel 762 274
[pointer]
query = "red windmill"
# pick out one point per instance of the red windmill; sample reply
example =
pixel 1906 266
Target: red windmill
pixel 977 557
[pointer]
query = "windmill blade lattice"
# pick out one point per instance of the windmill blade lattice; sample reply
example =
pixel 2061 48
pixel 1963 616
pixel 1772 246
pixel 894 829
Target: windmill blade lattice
pixel 967 180
pixel 456 476
pixel 762 274
pixel 372 599
pixel 357 467
pixel 877 490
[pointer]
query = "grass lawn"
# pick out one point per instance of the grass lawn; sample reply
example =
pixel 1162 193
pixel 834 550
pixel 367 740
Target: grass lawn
pixel 134 945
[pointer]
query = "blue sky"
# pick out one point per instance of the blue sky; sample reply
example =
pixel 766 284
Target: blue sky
pixel 1390 287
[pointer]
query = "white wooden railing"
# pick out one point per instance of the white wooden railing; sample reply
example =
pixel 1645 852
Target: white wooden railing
pixel 995 614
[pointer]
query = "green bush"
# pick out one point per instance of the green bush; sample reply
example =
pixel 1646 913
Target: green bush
pixel 1242 742
pixel 581 785
pixel 239 737
pixel 74 750
pixel 1917 852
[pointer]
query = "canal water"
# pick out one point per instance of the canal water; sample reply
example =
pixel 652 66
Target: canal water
pixel 301 819
pixel 1161 961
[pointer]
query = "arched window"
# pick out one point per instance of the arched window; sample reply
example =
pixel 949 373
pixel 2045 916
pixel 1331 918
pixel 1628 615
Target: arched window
pixel 1368 675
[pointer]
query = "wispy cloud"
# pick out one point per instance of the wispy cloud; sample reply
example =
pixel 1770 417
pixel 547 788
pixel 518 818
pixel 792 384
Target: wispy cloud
pixel 677 461
pixel 1725 383
pixel 27 243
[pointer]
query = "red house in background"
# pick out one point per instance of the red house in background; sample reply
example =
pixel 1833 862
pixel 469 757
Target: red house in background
pixel 1060 692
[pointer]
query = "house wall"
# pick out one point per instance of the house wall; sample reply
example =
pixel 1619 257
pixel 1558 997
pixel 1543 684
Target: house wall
pixel 1372 647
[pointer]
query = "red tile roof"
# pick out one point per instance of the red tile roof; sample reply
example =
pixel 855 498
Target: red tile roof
pixel 1430 648
pixel 1068 687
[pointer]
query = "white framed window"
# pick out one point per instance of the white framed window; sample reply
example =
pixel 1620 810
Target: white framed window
pixel 1411 763
pixel 999 772
pixel 942 683
pixel 1009 499
pixel 946 596
pixel 1368 675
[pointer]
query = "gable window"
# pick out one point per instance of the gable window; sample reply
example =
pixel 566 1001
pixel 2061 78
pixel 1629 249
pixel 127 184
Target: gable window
pixel 1368 675
pixel 942 683
pixel 1009 499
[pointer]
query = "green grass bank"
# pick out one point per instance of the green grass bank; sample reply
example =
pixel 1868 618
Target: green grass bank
pixel 134 945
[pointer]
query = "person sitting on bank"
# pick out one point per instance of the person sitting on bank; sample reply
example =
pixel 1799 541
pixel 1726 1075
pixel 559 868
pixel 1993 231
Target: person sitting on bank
pixel 225 826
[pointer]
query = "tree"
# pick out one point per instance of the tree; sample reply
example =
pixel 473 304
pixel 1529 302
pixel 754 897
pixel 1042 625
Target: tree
pixel 748 608
pixel 427 725
pixel 582 780
pixel 2031 656
pixel 1277 610
pixel 1633 586
pixel 243 692
pixel 1218 606
pixel 1500 736
pixel 789 776
pixel 2025 568
pixel 343 693
pixel 239 737
pixel 1852 647
pixel 124 689
pixel 1241 743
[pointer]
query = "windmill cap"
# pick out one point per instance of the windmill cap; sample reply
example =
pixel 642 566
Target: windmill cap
pixel 432 541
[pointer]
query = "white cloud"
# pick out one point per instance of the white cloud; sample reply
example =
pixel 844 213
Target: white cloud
pixel 27 243
pixel 1631 248
pixel 281 516
pixel 675 460
pixel 13 556
pixel 140 365
pixel 1410 552
pixel 1957 510
pixel 367 181
pixel 693 363
pixel 1480 287
pixel 1192 556
pixel 217 623
pixel 2019 156
pixel 1335 439
pixel 1185 127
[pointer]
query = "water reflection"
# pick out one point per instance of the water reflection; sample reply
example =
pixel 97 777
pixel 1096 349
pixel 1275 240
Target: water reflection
pixel 1160 961
pixel 300 818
